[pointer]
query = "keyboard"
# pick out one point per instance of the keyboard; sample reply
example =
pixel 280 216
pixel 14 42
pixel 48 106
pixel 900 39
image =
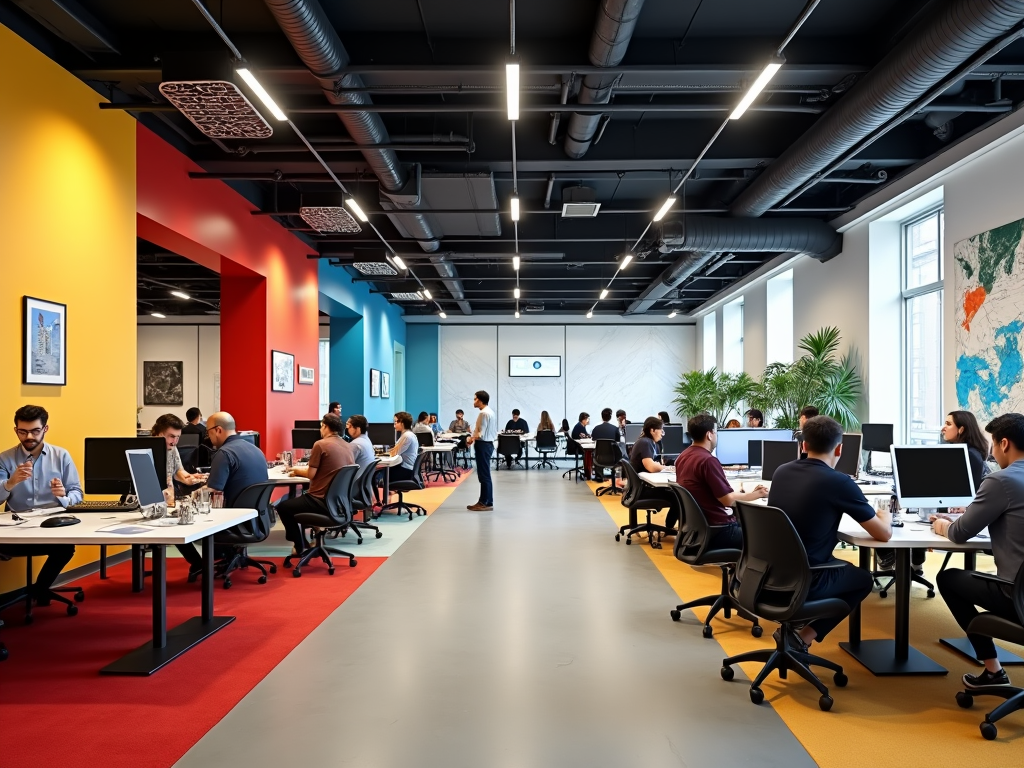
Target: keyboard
pixel 103 506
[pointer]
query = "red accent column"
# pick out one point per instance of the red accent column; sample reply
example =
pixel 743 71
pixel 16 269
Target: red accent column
pixel 244 355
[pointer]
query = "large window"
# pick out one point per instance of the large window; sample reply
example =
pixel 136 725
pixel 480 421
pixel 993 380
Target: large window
pixel 779 318
pixel 922 326
pixel 732 336
pixel 710 342
pixel 325 375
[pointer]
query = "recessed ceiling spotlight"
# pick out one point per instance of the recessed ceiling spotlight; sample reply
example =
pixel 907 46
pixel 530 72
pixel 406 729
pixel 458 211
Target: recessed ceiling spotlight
pixel 157 314
pixel 181 295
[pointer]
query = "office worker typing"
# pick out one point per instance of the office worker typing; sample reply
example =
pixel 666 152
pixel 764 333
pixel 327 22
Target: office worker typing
pixel 35 475
pixel 644 458
pixel 515 426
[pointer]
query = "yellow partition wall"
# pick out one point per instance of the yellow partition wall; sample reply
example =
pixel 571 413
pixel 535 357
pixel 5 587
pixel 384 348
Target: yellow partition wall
pixel 67 234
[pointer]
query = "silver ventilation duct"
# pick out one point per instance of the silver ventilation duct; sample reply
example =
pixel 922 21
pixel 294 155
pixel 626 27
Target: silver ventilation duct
pixel 809 237
pixel 940 43
pixel 450 280
pixel 616 20
pixel 688 263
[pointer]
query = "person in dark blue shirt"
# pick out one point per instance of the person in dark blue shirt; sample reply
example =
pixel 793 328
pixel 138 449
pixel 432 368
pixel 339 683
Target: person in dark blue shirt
pixel 605 431
pixel 515 426
pixel 237 464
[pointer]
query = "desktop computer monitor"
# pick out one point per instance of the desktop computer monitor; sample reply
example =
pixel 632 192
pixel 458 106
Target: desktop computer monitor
pixel 250 436
pixel 932 475
pixel 876 437
pixel 381 434
pixel 143 474
pixel 106 467
pixel 304 438
pixel 307 424
pixel 775 453
pixel 734 444
pixel 849 461
pixel 754 449
pixel 634 432
pixel 674 440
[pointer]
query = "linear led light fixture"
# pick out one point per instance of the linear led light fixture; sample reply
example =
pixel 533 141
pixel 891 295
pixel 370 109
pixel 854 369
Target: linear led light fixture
pixel 672 314
pixel 515 293
pixel 398 262
pixel 515 263
pixel 773 66
pixel 515 209
pixel 427 293
pixel 517 314
pixel 664 208
pixel 512 88
pixel 590 313
pixel 351 203
pixel 250 79
pixel 443 315
pixel 157 314
pixel 181 295
pixel 625 260
pixel 604 293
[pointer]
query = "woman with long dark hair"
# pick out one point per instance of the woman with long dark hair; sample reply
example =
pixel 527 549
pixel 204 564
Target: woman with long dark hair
pixel 962 427
pixel 545 422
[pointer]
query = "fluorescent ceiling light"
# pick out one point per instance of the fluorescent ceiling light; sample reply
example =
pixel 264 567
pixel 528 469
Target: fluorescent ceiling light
pixel 398 262
pixel 515 209
pixel 157 314
pixel 664 209
pixel 672 314
pixel 444 315
pixel 181 295
pixel 625 260
pixel 515 263
pixel 260 91
pixel 604 293
pixel 512 87
pixel 356 209
pixel 517 314
pixel 762 80
pixel 427 293
pixel 516 293
pixel 590 313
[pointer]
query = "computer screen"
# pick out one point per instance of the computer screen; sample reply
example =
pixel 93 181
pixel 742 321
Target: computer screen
pixel 734 444
pixel 250 436
pixel 876 437
pixel 543 366
pixel 849 461
pixel 674 440
pixel 754 452
pixel 307 424
pixel 143 473
pixel 304 438
pixel 633 432
pixel 106 468
pixel 775 453
pixel 381 433
pixel 932 475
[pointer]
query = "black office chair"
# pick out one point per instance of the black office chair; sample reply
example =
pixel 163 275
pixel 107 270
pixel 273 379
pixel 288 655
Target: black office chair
pixel 508 445
pixel 692 548
pixel 633 499
pixel 607 455
pixel 337 515
pixel 240 537
pixel 573 448
pixel 76 592
pixel 772 580
pixel 546 444
pixel 998 628
pixel 424 438
pixel 415 483
pixel 438 470
pixel 462 450
pixel 363 500
pixel 889 577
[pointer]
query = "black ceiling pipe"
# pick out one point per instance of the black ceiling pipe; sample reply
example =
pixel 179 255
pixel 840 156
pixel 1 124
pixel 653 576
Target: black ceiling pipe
pixel 616 20
pixel 687 263
pixel 942 41
pixel 810 237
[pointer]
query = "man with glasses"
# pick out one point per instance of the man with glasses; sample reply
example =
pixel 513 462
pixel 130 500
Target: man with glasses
pixel 35 475
pixel 237 464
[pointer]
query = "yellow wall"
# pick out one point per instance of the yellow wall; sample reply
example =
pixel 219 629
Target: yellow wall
pixel 67 234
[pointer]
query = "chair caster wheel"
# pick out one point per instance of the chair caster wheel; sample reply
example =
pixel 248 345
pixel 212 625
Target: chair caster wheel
pixel 756 695
pixel 261 580
pixel 989 730
pixel 931 593
pixel 964 700
pixel 79 597
pixel 227 583
pixel 273 568
pixel 708 632
pixel 379 534
pixel 757 630
pixel 287 562
pixel 29 619
pixel 674 614
pixel 617 537
pixel 296 573
pixel 360 541
pixel 330 571
pixel 840 679
pixel 825 702
pixel 728 673
pixel 883 594
pixel 72 610
pixel 628 541
pixel 352 563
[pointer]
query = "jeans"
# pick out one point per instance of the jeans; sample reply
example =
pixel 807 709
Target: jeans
pixel 57 556
pixel 727 537
pixel 964 594
pixel 846 582
pixel 484 450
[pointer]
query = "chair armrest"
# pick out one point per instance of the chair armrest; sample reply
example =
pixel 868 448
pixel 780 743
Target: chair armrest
pixel 991 577
pixel 830 564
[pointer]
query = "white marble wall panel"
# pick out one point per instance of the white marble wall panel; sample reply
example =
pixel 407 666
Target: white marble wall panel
pixel 469 362
pixel 530 395
pixel 625 366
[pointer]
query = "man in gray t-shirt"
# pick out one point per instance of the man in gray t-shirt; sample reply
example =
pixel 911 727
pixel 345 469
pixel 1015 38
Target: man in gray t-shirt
pixel 362 448
pixel 407 447
pixel 999 506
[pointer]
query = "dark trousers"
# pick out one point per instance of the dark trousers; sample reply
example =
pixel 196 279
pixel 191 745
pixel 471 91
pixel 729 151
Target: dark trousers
pixel 191 554
pixel 484 450
pixel 287 509
pixel 917 556
pixel 670 505
pixel 964 594
pixel 57 556
pixel 727 537
pixel 510 456
pixel 846 582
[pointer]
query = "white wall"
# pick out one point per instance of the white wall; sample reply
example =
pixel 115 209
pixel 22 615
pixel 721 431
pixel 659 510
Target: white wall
pixel 755 330
pixel 198 348
pixel 634 367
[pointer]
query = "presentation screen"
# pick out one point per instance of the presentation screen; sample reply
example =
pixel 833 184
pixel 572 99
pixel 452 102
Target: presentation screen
pixel 524 366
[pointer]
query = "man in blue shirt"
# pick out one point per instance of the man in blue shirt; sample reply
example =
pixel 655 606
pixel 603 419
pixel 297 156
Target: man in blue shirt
pixel 34 475
pixel 237 464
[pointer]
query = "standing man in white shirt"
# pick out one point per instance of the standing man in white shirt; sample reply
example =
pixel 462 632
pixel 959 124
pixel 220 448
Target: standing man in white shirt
pixel 484 434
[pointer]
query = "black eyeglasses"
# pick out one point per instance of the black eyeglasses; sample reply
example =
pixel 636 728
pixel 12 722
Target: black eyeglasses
pixel 30 432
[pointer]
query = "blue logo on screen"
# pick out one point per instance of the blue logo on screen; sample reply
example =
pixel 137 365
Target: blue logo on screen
pixel 536 365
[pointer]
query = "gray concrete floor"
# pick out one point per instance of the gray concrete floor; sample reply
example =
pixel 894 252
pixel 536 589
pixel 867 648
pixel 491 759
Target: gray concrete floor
pixel 520 637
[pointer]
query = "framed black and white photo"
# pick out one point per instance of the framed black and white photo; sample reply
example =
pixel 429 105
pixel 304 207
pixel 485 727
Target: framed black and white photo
pixel 385 384
pixel 374 382
pixel 44 342
pixel 163 382
pixel 282 370
pixel 305 375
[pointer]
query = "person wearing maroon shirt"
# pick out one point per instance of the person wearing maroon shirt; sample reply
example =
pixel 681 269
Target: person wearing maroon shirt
pixel 702 475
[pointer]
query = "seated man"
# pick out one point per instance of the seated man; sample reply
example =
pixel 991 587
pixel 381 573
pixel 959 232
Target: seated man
pixel 644 458
pixel 814 496
pixel 408 447
pixel 999 505
pixel 460 425
pixel 330 453
pixel 35 475
pixel 807 412
pixel 605 431
pixel 620 417
pixel 702 475
pixel 170 428
pixel 195 425
pixel 362 448
pixel 515 426
pixel 579 432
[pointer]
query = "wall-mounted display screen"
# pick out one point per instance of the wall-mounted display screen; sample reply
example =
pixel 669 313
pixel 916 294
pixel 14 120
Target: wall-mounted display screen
pixel 544 366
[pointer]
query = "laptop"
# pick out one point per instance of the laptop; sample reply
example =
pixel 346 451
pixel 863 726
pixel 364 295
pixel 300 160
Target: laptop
pixel 144 477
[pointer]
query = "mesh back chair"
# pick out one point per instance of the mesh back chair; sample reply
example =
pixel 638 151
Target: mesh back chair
pixel 337 515
pixel 998 628
pixel 238 538
pixel 362 499
pixel 55 593
pixel 508 445
pixel 438 470
pixel 692 547
pixel 424 438
pixel 462 451
pixel 546 445
pixel 633 499
pixel 572 448
pixel 772 581
pixel 607 455
pixel 415 483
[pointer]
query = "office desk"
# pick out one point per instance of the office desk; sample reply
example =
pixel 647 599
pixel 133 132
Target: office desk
pixel 747 482
pixel 167 645
pixel 385 463
pixel 279 476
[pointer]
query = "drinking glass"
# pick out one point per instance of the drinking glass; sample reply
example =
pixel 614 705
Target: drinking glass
pixel 203 504
pixel 217 499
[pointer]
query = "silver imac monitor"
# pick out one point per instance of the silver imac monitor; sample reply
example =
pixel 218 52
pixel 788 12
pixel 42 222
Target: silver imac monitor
pixel 849 460
pixel 932 475
pixel 633 432
pixel 734 444
pixel 144 477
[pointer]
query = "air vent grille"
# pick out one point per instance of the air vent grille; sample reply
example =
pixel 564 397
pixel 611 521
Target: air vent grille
pixel 406 296
pixel 217 108
pixel 580 210
pixel 330 218
pixel 534 307
pixel 374 268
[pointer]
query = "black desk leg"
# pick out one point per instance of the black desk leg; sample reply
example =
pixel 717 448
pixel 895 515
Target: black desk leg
pixel 138 567
pixel 854 620
pixel 103 561
pixel 207 579
pixel 159 596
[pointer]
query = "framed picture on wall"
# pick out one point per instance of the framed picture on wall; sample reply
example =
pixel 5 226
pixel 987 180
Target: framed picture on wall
pixel 44 342
pixel 374 382
pixel 282 371
pixel 163 382
pixel 385 384
pixel 305 375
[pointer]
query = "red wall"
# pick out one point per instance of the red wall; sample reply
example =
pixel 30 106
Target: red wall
pixel 269 291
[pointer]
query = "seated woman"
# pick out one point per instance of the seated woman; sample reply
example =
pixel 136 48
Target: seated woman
pixel 644 458
pixel 545 422
pixel 663 415
pixel 732 424
pixel 422 423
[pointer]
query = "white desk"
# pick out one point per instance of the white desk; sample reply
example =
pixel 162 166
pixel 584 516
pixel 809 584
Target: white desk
pixel 748 482
pixel 167 645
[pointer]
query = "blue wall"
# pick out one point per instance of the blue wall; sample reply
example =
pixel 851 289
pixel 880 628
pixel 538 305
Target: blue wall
pixel 422 369
pixel 364 329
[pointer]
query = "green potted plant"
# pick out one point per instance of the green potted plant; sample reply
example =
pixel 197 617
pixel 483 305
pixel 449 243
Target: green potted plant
pixel 718 394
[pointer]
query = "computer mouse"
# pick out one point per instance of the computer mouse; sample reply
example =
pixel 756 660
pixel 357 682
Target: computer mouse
pixel 59 521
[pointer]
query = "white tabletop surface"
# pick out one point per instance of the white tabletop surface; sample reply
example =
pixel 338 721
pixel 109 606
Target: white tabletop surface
pixel 279 475
pixel 747 482
pixel 86 531
pixel 912 534
pixel 439 448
